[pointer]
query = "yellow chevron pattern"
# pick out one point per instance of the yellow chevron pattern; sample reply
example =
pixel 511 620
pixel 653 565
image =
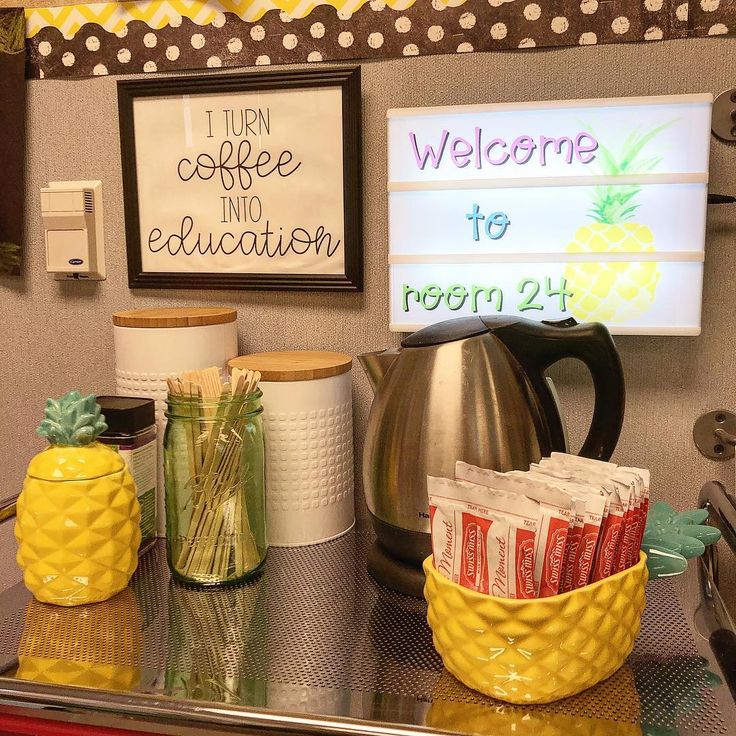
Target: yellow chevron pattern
pixel 115 16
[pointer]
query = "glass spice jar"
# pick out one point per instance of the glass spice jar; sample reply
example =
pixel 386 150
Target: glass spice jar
pixel 131 430
pixel 215 488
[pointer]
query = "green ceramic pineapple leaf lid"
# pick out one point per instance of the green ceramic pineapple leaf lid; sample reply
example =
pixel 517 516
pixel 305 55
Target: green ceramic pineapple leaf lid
pixel 73 420
pixel 71 424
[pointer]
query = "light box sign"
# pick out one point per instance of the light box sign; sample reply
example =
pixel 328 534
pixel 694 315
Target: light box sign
pixel 593 209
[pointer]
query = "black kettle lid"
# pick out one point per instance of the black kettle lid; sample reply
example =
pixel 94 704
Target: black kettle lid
pixel 457 329
pixel 465 327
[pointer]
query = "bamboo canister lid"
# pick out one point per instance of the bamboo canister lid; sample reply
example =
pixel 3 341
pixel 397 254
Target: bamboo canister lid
pixel 174 317
pixel 294 365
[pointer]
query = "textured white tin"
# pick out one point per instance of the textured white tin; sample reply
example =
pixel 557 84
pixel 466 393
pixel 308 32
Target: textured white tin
pixel 146 356
pixel 309 459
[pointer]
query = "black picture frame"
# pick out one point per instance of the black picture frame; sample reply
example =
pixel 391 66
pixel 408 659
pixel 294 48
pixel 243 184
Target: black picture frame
pixel 348 79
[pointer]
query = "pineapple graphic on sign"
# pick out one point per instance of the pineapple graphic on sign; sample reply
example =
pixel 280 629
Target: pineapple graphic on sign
pixel 615 291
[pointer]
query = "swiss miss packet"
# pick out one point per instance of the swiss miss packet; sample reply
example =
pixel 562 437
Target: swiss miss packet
pixel 483 539
pixel 628 495
pixel 555 518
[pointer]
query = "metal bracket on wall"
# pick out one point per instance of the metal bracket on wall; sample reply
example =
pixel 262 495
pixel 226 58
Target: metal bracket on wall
pixel 723 122
pixel 714 434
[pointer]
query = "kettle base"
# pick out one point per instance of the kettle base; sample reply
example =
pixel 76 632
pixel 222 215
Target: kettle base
pixel 407 545
pixel 393 573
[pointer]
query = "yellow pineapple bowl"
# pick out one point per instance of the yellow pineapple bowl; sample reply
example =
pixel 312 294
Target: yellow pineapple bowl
pixel 612 711
pixel 78 518
pixel 538 650
pixel 95 646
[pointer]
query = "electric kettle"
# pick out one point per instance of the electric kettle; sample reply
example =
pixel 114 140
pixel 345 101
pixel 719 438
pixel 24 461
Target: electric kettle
pixel 470 389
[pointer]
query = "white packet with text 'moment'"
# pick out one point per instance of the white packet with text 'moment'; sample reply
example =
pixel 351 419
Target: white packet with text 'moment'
pixel 555 518
pixel 482 539
pixel 590 505
pixel 620 498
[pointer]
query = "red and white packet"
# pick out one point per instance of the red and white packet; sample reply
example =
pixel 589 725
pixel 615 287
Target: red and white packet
pixel 613 539
pixel 645 476
pixel 641 478
pixel 555 518
pixel 637 495
pixel 483 539
pixel 590 505
pixel 628 544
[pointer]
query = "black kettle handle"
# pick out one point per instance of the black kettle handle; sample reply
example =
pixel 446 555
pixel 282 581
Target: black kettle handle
pixel 537 345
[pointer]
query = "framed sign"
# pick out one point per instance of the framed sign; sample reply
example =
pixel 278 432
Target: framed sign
pixel 593 209
pixel 248 181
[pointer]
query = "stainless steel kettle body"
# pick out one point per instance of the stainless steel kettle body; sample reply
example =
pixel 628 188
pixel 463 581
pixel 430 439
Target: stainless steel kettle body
pixel 469 389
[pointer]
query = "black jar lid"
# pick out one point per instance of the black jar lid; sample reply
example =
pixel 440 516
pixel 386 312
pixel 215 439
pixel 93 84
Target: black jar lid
pixel 127 414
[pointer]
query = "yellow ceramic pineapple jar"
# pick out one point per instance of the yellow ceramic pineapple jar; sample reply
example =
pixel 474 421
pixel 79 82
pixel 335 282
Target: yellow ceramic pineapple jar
pixel 537 650
pixel 78 518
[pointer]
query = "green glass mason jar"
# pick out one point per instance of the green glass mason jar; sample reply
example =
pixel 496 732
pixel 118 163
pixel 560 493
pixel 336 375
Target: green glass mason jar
pixel 215 488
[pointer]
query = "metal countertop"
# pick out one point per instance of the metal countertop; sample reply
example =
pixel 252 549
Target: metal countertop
pixel 315 646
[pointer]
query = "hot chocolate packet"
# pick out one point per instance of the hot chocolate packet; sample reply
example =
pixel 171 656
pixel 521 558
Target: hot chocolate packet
pixel 633 489
pixel 645 476
pixel 555 518
pixel 483 539
pixel 629 534
pixel 580 459
pixel 641 486
pixel 591 509
pixel 611 544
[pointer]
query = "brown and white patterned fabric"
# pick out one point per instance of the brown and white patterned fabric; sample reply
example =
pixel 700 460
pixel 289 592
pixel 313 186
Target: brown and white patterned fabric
pixel 375 30
pixel 712 17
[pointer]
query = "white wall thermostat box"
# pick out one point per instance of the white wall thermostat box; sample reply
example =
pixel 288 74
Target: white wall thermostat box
pixel 73 231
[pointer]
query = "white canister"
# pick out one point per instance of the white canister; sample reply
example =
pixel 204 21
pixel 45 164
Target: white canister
pixel 152 345
pixel 308 422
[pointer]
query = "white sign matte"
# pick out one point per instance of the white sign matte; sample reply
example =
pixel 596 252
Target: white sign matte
pixel 602 200
pixel 236 208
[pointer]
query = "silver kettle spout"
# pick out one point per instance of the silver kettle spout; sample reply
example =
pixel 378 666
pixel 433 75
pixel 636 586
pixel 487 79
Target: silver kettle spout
pixel 376 365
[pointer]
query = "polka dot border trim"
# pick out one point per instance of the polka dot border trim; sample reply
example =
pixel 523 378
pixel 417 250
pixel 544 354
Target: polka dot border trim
pixel 372 32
